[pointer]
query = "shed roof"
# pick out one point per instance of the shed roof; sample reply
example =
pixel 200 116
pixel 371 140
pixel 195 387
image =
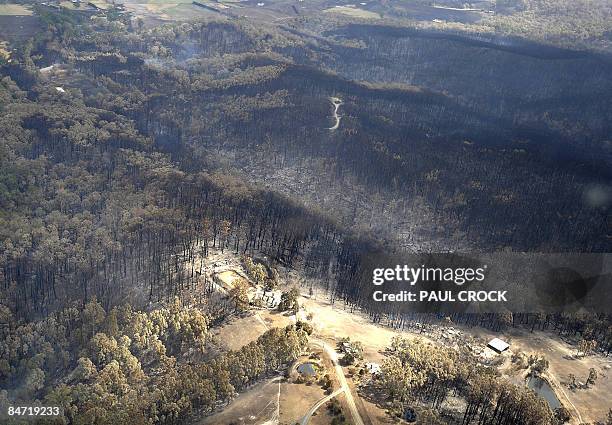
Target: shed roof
pixel 498 345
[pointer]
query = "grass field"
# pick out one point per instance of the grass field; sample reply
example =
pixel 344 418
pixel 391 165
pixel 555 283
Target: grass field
pixel 162 11
pixel 11 9
pixel 69 5
pixel 186 12
pixel 353 11
pixel 101 4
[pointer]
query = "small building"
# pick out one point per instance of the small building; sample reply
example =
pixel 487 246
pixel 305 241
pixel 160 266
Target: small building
pixel 269 299
pixel 498 345
pixel 272 298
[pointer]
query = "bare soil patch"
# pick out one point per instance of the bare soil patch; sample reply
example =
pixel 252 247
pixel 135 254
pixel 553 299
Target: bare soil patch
pixel 297 399
pixel 256 406
pixel 239 332
pixel 11 9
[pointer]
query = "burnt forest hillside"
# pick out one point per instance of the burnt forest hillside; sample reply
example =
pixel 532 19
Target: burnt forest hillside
pixel 132 146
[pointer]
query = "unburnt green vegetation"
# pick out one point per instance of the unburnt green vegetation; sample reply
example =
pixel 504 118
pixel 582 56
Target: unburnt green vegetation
pixel 124 366
pixel 583 23
pixel 416 370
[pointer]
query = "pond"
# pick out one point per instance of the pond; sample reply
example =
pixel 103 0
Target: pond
pixel 307 369
pixel 543 389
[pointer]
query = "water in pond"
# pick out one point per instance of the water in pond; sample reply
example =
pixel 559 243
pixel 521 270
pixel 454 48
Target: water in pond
pixel 307 369
pixel 543 389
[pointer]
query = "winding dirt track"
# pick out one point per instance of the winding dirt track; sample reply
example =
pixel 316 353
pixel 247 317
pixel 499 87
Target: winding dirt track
pixel 344 388
pixel 336 101
pixel 318 404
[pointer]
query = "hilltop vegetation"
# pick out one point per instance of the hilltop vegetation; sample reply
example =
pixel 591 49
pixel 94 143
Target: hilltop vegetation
pixel 583 23
pixel 124 366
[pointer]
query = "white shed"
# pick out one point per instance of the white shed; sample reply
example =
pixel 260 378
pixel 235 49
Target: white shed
pixel 498 345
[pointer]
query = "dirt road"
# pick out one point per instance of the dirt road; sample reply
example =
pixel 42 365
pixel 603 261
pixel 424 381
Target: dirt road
pixel 318 404
pixel 344 387
pixel 336 101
